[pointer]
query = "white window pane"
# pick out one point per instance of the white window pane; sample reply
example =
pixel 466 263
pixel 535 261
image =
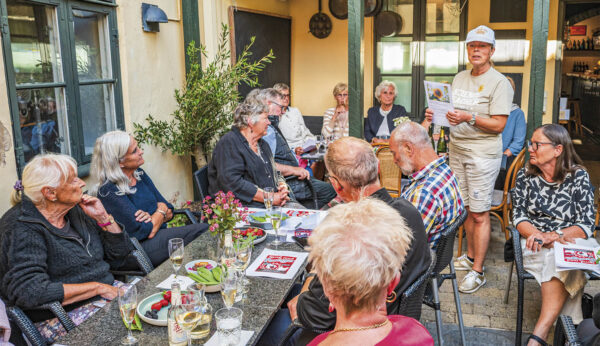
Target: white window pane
pixel 97 112
pixel 91 45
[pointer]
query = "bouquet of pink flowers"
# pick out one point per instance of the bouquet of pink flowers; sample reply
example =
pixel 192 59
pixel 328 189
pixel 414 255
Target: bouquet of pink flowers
pixel 222 212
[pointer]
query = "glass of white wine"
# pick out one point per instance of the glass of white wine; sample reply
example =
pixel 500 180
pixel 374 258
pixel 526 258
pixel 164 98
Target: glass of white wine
pixel 127 305
pixel 229 279
pixel 176 254
pixel 242 260
pixel 198 298
pixel 318 143
pixel 187 318
pixel 268 196
pixel 275 217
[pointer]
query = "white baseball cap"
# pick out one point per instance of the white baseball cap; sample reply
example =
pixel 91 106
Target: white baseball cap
pixel 482 34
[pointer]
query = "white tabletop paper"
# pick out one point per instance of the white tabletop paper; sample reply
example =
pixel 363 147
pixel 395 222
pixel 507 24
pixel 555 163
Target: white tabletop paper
pixel 244 338
pixel 183 280
pixel 277 264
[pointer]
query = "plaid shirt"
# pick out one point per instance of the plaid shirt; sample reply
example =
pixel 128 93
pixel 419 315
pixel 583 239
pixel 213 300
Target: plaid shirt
pixel 434 191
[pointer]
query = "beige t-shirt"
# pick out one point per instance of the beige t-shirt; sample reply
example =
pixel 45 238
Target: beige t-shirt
pixel 485 95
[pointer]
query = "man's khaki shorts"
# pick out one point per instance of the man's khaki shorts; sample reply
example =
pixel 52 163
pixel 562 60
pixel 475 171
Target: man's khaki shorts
pixel 476 177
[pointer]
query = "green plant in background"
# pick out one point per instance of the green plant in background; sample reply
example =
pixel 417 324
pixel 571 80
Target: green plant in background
pixel 206 103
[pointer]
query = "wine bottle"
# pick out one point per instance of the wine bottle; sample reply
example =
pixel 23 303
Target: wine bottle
pixel 228 254
pixel 177 336
pixel 441 145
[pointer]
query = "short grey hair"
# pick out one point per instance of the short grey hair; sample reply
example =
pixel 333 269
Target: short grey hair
pixel 354 263
pixel 270 94
pixel 281 87
pixel 45 170
pixel 109 150
pixel 248 112
pixel 382 86
pixel 411 132
pixel 352 160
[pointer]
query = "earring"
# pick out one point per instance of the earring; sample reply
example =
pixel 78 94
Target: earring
pixel 331 307
pixel 391 298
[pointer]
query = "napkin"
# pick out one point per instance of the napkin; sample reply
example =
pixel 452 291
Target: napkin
pixel 183 280
pixel 244 338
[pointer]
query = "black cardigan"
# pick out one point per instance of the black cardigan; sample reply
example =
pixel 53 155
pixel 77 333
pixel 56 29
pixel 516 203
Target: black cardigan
pixel 36 259
pixel 374 120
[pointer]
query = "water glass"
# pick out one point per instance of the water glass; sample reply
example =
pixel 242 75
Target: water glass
pixel 268 196
pixel 229 326
pixel 127 305
pixel 176 249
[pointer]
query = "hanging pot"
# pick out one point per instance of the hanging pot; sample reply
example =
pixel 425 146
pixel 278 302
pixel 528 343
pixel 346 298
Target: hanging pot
pixel 388 23
pixel 339 8
pixel 320 24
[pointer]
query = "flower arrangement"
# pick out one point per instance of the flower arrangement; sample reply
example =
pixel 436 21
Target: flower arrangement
pixel 222 212
pixel 400 120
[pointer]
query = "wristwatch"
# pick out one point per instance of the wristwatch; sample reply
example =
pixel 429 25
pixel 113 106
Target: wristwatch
pixel 472 121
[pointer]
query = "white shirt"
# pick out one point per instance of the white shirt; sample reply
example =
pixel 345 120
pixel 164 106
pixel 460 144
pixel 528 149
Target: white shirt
pixel 384 129
pixel 293 128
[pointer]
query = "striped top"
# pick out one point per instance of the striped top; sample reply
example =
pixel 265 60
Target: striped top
pixel 434 192
pixel 338 130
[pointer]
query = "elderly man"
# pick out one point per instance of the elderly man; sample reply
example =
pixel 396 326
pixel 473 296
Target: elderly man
pixel 292 123
pixel 353 168
pixel 433 188
pixel 380 120
pixel 482 100
pixel 285 159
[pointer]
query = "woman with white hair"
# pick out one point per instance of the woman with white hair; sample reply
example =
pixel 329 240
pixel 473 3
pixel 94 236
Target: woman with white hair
pixel 380 120
pixel 58 244
pixel 131 197
pixel 357 252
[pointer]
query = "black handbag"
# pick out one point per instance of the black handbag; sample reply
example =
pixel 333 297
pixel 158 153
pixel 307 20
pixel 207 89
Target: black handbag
pixel 509 250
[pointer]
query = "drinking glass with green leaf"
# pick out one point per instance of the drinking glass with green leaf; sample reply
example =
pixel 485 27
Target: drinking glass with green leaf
pixel 275 216
pixel 127 305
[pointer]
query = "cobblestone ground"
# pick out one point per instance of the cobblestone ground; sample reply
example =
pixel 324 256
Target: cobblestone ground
pixel 485 308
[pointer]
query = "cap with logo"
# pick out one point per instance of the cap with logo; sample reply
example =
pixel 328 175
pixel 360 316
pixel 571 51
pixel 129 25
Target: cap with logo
pixel 481 34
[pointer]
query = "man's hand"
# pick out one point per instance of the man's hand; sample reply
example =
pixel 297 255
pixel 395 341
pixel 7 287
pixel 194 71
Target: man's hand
pixel 508 153
pixel 457 117
pixel 301 173
pixel 292 307
pixel 279 198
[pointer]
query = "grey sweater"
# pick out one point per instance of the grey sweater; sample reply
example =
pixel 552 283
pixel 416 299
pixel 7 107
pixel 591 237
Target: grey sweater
pixel 36 259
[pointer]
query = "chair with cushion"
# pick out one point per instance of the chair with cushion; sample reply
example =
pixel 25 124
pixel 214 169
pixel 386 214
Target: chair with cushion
pixel 443 252
pixel 565 332
pixel 389 173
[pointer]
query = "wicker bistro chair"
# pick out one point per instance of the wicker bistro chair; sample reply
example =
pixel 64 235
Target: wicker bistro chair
pixel 411 300
pixel 443 253
pixel 201 181
pixel 144 263
pixel 565 332
pixel 389 173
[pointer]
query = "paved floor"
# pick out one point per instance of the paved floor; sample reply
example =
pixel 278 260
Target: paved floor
pixel 485 308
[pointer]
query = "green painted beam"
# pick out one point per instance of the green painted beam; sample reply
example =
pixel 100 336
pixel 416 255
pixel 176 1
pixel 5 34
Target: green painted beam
pixel 355 66
pixel 537 77
pixel 191 27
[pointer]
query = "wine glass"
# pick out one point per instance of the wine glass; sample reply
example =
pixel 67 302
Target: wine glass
pixel 198 298
pixel 187 318
pixel 318 142
pixel 127 304
pixel 242 260
pixel 268 196
pixel 176 254
pixel 275 217
pixel 228 285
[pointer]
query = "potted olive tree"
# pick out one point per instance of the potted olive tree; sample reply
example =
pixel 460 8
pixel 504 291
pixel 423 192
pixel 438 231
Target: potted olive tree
pixel 206 103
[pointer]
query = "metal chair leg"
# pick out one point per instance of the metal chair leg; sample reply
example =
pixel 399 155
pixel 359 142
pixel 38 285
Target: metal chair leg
pixel 459 316
pixel 438 312
pixel 507 290
pixel 519 331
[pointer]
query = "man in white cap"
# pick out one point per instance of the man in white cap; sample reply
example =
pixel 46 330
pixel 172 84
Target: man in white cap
pixel 482 100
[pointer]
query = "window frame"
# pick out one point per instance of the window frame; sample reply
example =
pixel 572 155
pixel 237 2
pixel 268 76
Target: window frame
pixel 71 82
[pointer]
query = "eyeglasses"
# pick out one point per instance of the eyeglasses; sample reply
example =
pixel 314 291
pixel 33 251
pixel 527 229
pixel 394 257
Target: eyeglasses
pixel 342 95
pixel 285 95
pixel 332 178
pixel 536 145
pixel 280 106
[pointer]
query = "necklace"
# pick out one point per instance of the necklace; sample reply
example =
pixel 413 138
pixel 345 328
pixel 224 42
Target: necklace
pixel 374 326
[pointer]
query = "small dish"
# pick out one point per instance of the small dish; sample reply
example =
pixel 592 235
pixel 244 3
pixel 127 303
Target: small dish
pixel 146 304
pixel 189 267
pixel 257 240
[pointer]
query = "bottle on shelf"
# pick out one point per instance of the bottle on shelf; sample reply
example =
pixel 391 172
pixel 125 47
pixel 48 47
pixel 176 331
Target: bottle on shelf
pixel 177 336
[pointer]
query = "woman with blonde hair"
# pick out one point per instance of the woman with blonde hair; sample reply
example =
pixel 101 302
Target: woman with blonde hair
pixel 131 197
pixel 357 253
pixel 58 244
pixel 335 119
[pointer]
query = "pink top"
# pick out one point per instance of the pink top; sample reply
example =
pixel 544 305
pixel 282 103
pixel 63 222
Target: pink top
pixel 405 331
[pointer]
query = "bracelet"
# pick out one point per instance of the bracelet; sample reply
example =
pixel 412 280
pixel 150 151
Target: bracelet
pixel 111 220
pixel 164 213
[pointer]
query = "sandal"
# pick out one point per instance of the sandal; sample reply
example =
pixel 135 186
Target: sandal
pixel 538 339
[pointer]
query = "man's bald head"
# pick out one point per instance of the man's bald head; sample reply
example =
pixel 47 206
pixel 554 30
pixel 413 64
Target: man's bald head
pixel 353 161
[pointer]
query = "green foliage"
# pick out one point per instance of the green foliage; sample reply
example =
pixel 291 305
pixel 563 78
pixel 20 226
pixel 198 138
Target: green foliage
pixel 207 102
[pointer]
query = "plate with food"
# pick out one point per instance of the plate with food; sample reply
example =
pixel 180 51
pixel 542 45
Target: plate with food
pixel 259 234
pixel 211 278
pixel 192 267
pixel 153 309
pixel 262 220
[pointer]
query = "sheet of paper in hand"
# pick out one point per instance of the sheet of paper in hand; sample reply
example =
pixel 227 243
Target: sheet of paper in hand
pixel 580 255
pixel 277 264
pixel 439 99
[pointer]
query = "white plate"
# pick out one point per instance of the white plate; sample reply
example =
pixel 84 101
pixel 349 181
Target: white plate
pixel 190 265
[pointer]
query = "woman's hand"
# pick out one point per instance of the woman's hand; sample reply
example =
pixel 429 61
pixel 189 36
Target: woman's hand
pixel 279 198
pixel 162 206
pixel 538 239
pixel 298 151
pixel 456 117
pixel 107 291
pixel 508 153
pixel 143 216
pixel 93 208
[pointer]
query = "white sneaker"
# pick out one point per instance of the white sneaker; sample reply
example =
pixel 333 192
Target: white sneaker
pixel 472 282
pixel 463 263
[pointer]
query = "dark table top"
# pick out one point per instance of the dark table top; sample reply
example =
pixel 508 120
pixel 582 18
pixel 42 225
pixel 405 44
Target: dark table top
pixel 265 296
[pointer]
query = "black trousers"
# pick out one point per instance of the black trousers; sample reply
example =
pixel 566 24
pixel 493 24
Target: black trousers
pixel 157 247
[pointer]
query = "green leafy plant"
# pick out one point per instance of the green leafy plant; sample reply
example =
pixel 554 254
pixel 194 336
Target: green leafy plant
pixel 206 103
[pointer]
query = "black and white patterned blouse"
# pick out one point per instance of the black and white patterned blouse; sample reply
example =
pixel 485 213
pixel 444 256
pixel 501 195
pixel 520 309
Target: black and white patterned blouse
pixel 553 206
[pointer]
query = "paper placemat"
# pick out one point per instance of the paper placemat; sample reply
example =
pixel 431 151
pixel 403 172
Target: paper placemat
pixel 183 280
pixel 244 338
pixel 277 264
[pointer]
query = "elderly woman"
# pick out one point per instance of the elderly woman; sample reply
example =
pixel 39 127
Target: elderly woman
pixel 242 161
pixel 57 243
pixel 357 253
pixel 335 119
pixel 131 197
pixel 553 202
pixel 380 120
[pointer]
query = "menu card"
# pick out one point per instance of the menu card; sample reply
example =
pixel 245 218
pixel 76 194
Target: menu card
pixel 277 264
pixel 579 255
